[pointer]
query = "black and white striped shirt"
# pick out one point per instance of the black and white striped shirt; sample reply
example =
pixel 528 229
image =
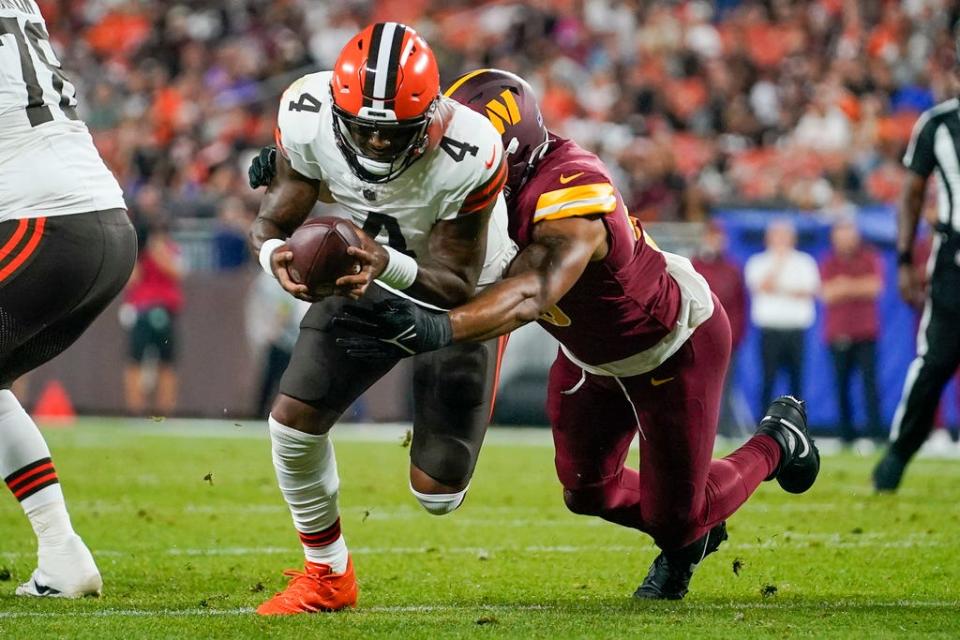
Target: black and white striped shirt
pixel 935 144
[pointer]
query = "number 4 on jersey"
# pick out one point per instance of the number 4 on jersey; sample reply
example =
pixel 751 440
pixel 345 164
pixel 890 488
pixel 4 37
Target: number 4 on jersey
pixel 456 149
pixel 306 103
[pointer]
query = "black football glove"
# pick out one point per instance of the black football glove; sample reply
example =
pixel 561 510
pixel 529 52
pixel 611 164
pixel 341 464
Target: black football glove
pixel 263 168
pixel 392 329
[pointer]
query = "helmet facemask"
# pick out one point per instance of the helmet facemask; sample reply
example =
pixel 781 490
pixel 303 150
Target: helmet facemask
pixel 380 150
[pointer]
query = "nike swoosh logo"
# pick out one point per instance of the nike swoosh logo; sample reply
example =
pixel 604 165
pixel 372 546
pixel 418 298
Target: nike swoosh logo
pixel 656 383
pixel 44 590
pixel 800 436
pixel 565 179
pixel 493 156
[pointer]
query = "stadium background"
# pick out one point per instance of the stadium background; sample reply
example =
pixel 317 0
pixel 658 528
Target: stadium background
pixel 733 110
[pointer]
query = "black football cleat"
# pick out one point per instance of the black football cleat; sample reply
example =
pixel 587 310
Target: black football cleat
pixel 670 573
pixel 888 472
pixel 786 422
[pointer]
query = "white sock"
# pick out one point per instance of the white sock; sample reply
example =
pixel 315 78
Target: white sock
pixel 307 475
pixel 26 467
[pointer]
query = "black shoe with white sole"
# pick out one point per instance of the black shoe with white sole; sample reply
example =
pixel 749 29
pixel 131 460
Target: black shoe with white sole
pixel 671 571
pixel 786 422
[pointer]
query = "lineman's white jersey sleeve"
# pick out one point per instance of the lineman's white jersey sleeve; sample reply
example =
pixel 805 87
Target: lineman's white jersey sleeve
pixel 460 173
pixel 49 165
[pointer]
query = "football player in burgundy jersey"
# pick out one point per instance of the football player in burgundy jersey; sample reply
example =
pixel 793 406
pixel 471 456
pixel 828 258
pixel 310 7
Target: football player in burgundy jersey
pixel 644 346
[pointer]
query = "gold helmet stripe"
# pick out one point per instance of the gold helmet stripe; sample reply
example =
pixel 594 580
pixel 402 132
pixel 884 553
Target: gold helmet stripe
pixel 459 81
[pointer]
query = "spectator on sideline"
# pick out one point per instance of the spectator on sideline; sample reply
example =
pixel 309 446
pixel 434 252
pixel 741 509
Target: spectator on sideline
pixel 154 294
pixel 852 277
pixel 726 280
pixel 783 283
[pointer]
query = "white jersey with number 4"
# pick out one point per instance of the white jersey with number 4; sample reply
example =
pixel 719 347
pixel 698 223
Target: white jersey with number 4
pixel 458 174
pixel 49 165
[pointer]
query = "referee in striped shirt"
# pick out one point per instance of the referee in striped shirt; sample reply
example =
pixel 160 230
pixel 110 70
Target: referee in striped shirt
pixel 934 148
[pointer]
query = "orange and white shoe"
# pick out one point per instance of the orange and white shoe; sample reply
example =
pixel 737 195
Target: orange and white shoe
pixel 314 590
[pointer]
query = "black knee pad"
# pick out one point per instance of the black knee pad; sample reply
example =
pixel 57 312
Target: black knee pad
pixel 447 459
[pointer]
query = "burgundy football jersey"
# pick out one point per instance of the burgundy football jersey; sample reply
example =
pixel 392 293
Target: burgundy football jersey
pixel 621 305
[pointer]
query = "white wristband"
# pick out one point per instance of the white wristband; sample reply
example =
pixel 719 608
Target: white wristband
pixel 266 251
pixel 401 270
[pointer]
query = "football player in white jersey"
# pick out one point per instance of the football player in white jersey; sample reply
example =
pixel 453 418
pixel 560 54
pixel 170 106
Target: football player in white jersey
pixel 421 175
pixel 66 249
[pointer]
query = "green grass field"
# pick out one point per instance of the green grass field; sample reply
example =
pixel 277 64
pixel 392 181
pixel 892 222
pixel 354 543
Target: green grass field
pixel 187 557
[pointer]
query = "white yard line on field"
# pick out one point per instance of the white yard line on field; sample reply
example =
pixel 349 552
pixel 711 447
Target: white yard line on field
pixel 833 541
pixel 579 609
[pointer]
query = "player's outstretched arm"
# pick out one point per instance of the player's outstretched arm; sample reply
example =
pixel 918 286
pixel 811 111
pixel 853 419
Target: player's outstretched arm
pixel 287 202
pixel 538 278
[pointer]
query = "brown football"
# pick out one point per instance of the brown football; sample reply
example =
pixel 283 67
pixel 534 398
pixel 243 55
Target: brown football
pixel 320 255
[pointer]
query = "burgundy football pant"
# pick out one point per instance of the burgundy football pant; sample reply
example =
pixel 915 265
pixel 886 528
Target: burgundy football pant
pixel 679 491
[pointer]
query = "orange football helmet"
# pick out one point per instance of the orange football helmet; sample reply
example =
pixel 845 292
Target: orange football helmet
pixel 385 91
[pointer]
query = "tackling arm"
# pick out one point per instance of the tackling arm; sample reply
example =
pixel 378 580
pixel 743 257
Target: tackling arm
pixel 539 277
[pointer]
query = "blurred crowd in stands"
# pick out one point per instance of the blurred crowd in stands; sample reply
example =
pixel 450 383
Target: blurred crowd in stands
pixel 693 104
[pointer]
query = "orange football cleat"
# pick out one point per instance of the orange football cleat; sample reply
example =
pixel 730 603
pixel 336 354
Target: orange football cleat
pixel 314 590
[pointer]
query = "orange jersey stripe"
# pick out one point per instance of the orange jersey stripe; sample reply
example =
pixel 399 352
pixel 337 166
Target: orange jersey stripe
pixel 277 139
pixel 478 201
pixel 497 179
pixel 501 348
pixel 27 250
pixel 15 238
pixel 473 208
